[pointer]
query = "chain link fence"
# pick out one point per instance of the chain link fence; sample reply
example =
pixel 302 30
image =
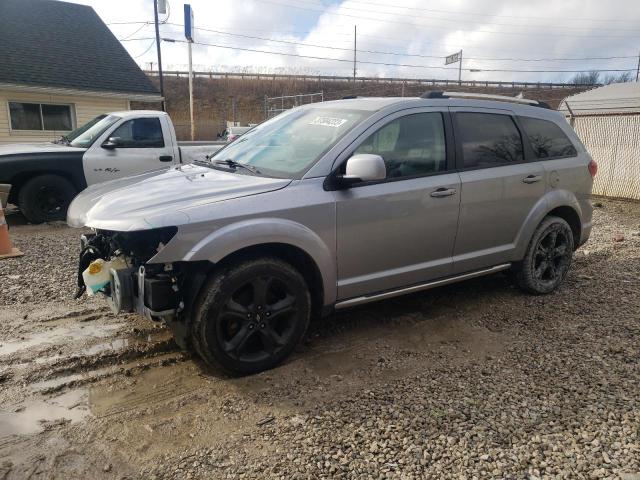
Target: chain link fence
pixel 276 105
pixel 614 143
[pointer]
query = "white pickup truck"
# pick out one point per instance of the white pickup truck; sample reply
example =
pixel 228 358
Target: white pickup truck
pixel 45 177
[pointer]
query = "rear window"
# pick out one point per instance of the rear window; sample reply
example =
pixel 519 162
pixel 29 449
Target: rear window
pixel 488 139
pixel 547 139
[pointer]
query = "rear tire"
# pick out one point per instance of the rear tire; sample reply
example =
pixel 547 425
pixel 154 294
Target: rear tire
pixel 548 257
pixel 46 198
pixel 251 315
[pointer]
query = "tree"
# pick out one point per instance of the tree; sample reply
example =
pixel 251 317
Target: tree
pixel 623 77
pixel 586 78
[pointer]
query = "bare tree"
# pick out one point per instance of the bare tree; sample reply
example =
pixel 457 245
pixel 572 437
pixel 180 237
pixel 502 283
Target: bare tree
pixel 586 78
pixel 620 78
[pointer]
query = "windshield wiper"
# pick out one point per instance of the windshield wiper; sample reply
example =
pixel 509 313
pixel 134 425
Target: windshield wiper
pixel 229 162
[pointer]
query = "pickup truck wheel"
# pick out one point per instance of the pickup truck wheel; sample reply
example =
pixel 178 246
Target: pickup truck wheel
pixel 251 316
pixel 46 198
pixel 548 257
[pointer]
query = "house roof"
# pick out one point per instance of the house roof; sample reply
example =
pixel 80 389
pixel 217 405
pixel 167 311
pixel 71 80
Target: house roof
pixel 617 98
pixel 47 43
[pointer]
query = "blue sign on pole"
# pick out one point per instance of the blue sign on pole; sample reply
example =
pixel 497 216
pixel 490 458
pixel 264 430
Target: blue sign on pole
pixel 188 22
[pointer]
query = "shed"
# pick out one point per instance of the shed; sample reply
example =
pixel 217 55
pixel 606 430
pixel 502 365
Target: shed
pixel 607 120
pixel 60 66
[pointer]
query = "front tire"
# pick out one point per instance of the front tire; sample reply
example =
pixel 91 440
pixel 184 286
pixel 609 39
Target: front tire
pixel 548 257
pixel 46 198
pixel 251 315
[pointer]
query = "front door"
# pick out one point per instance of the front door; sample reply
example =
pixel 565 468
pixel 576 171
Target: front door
pixel 400 231
pixel 140 147
pixel 499 188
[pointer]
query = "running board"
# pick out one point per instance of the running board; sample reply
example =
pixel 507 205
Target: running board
pixel 416 288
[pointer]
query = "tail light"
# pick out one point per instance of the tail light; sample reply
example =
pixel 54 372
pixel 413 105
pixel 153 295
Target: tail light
pixel 593 168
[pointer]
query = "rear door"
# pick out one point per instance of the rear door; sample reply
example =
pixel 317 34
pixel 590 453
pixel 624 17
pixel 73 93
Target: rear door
pixel 141 148
pixel 499 186
pixel 400 231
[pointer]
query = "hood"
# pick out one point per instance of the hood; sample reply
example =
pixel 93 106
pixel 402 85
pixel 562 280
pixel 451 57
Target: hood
pixel 21 148
pixel 160 198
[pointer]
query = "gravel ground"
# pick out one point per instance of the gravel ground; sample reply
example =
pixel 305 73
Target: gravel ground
pixel 475 380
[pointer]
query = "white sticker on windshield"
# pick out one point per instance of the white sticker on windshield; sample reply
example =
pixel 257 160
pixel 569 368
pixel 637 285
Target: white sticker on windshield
pixel 328 121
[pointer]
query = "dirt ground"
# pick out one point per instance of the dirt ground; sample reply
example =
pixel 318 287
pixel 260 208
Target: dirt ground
pixel 475 380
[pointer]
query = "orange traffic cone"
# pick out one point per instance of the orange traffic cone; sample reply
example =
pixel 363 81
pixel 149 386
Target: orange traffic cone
pixel 6 249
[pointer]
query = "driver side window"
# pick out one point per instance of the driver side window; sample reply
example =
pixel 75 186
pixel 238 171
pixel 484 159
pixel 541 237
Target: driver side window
pixel 412 145
pixel 140 133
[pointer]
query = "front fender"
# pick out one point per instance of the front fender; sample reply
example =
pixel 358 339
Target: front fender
pixel 551 200
pixel 247 233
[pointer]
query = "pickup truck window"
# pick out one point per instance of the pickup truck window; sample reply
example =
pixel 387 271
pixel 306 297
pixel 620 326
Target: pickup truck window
pixel 288 145
pixel 84 137
pixel 140 133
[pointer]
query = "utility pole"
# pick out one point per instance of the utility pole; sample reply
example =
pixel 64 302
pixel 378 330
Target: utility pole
pixel 355 35
pixel 233 110
pixel 638 69
pixel 155 16
pixel 193 124
pixel 188 34
pixel 460 69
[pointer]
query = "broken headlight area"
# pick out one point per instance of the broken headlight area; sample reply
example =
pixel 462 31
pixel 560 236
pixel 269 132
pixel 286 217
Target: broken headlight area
pixel 115 265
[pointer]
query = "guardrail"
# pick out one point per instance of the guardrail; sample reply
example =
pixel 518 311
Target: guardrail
pixel 335 78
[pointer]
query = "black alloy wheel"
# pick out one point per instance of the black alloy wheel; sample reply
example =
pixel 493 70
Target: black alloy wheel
pixel 548 257
pixel 258 319
pixel 251 316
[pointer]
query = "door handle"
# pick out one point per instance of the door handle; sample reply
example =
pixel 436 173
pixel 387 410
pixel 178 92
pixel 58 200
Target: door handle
pixel 443 192
pixel 166 158
pixel 532 179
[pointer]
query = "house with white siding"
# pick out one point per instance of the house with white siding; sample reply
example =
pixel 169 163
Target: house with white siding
pixel 60 66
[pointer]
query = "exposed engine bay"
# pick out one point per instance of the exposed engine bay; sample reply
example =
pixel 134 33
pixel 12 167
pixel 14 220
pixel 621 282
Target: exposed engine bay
pixel 115 265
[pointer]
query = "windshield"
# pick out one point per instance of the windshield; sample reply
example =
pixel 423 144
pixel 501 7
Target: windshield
pixel 86 134
pixel 288 145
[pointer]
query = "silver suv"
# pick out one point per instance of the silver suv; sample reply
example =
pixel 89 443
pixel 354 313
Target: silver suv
pixel 337 204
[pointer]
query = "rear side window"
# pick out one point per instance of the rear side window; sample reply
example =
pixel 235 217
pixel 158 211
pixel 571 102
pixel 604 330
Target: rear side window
pixel 547 139
pixel 412 145
pixel 488 139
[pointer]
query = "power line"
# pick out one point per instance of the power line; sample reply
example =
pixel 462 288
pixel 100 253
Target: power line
pixel 148 48
pixel 136 31
pixel 303 44
pixel 456 20
pixel 135 39
pixel 360 17
pixel 438 67
pixel 478 14
pixel 399 39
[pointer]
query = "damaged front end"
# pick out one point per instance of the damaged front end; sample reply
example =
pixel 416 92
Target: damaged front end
pixel 116 265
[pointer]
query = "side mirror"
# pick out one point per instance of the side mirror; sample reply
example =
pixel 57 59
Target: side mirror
pixel 112 142
pixel 363 167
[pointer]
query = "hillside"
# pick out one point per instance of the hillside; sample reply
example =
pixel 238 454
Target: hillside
pixel 214 96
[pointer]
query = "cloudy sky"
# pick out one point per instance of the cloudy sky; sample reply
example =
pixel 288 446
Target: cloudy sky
pixel 532 40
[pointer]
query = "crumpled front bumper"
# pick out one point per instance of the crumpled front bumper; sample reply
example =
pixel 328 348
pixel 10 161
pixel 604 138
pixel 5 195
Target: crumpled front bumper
pixel 148 290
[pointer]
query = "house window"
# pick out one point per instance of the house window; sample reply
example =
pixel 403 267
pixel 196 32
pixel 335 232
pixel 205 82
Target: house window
pixel 40 116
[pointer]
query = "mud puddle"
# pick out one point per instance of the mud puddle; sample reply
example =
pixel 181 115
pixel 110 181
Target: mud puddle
pixel 34 416
pixel 58 335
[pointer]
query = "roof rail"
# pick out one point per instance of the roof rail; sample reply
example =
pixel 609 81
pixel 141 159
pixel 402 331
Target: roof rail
pixel 483 96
